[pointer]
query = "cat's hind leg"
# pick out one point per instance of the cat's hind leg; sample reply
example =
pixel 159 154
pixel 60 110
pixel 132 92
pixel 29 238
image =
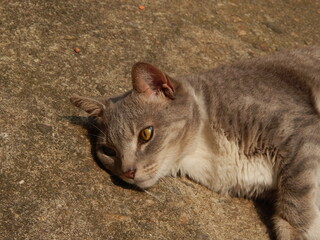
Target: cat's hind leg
pixel 316 98
pixel 314 230
pixel 297 214
pixel 318 189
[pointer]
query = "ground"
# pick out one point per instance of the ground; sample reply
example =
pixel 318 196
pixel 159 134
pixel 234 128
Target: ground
pixel 51 187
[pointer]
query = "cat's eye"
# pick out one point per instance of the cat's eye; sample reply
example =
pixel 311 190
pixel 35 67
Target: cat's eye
pixel 108 151
pixel 146 134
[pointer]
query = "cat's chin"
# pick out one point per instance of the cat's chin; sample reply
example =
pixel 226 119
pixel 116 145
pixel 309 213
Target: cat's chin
pixel 141 183
pixel 145 183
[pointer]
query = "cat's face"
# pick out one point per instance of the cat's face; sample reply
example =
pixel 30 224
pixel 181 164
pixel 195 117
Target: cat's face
pixel 144 132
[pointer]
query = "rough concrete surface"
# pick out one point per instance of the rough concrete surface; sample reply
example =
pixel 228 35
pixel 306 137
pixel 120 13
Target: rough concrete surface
pixel 51 186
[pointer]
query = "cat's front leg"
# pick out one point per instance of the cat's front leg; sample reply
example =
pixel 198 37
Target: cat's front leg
pixel 297 214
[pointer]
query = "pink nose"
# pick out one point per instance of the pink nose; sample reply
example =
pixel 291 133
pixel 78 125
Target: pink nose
pixel 130 173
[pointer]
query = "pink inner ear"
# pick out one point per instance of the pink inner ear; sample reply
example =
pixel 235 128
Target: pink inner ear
pixel 149 80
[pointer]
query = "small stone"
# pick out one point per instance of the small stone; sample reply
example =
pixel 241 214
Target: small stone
pixel 77 50
pixel 116 217
pixel 149 202
pixel 273 27
pixel 294 34
pixel 70 37
pixel 154 220
pixel 4 135
pixel 184 219
pixel 237 19
pixel 242 33
pixel 21 182
pixel 264 47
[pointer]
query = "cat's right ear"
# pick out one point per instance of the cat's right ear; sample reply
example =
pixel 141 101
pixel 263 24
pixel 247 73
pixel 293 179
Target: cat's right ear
pixel 150 81
pixel 93 107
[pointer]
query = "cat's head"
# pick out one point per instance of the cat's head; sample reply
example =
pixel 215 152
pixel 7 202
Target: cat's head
pixel 144 132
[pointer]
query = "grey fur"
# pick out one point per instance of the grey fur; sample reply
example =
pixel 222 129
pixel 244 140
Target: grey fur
pixel 260 114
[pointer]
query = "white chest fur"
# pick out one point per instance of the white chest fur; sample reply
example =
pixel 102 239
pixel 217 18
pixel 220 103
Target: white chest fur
pixel 216 163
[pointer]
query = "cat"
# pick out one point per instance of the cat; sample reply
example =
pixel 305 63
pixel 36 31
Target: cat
pixel 244 129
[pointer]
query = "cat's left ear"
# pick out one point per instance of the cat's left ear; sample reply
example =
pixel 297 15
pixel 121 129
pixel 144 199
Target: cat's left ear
pixel 94 107
pixel 149 80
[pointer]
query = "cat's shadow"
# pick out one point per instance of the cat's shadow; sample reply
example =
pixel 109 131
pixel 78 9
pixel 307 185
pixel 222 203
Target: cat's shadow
pixel 264 209
pixel 92 134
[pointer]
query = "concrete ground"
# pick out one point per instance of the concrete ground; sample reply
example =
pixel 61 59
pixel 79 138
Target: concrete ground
pixel 50 185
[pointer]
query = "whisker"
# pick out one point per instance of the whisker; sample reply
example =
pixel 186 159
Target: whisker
pixel 152 195
pixel 97 128
pixel 94 135
pixel 171 187
pixel 167 184
pixel 167 181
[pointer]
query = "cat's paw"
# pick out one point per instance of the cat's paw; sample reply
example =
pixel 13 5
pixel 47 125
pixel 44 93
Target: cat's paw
pixel 284 231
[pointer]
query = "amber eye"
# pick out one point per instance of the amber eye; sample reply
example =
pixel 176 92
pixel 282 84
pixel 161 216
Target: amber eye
pixel 146 134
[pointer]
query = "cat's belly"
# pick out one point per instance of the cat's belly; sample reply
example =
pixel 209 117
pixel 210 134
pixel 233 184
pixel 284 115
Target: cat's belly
pixel 220 167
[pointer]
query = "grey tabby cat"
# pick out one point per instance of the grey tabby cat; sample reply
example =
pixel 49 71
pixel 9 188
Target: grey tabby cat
pixel 244 129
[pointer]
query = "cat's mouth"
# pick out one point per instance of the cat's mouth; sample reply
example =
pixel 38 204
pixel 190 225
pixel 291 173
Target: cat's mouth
pixel 139 178
pixel 128 180
pixel 142 183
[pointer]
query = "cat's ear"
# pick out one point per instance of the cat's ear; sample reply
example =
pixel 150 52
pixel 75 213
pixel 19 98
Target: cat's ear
pixel 149 80
pixel 94 107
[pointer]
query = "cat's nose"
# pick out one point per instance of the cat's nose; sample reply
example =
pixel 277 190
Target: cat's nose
pixel 130 173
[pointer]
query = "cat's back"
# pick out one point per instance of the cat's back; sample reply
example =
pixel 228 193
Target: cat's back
pixel 299 69
pixel 268 95
pixel 288 79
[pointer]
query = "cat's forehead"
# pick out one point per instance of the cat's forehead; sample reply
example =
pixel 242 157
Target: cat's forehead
pixel 128 107
pixel 129 114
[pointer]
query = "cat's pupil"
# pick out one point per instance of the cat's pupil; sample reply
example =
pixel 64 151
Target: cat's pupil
pixel 108 151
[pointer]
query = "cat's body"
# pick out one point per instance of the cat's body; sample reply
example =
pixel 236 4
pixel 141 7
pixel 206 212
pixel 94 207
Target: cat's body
pixel 253 117
pixel 244 129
